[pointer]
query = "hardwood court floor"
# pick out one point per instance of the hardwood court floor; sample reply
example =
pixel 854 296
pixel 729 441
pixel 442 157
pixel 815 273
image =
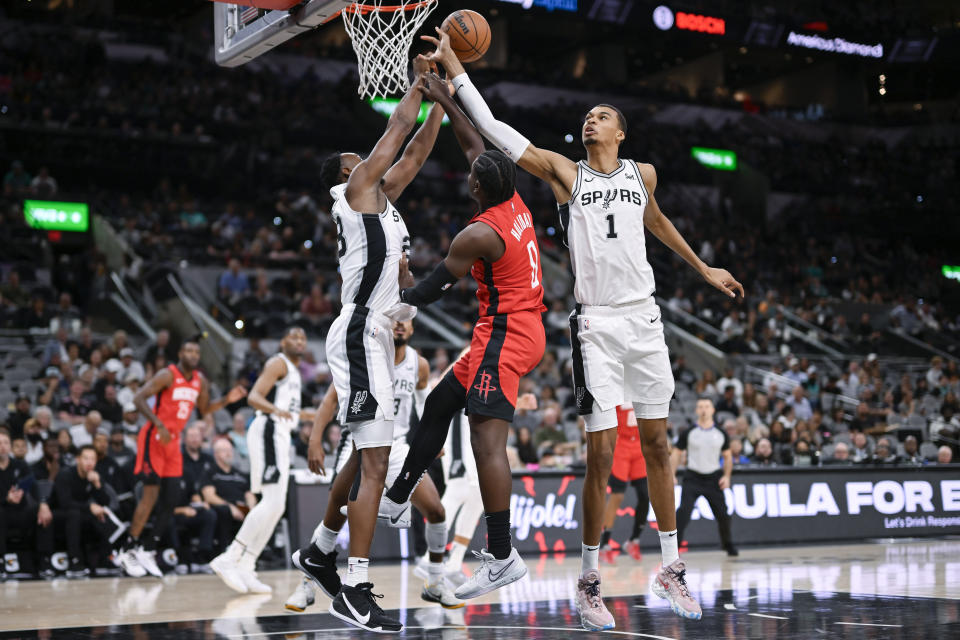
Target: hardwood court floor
pixel 907 589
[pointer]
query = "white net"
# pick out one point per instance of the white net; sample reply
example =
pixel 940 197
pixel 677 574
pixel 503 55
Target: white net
pixel 381 37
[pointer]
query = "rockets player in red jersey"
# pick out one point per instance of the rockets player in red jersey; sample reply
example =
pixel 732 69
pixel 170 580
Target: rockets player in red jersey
pixel 628 467
pixel 178 389
pixel 499 247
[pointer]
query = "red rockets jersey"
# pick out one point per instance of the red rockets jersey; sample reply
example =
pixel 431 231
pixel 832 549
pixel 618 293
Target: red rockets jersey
pixel 175 403
pixel 514 282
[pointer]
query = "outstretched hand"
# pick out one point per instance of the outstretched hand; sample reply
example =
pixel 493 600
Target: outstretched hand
pixel 443 55
pixel 722 280
pixel 434 87
pixel 422 65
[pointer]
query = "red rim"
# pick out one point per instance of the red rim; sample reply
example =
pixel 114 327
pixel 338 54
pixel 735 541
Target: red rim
pixel 361 8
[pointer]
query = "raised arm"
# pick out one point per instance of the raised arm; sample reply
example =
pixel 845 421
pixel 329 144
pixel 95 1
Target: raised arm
pixel 436 88
pixel 477 241
pixel 660 226
pixel 365 178
pixel 414 155
pixel 206 406
pixel 556 170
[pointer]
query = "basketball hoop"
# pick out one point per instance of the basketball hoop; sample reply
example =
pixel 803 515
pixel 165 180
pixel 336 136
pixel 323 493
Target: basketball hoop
pixel 381 37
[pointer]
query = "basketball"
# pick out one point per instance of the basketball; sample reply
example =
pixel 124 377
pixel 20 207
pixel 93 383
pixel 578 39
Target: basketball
pixel 469 34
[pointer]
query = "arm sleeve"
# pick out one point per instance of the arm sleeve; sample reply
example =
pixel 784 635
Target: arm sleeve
pixel 726 440
pixel 429 289
pixel 505 137
pixel 682 440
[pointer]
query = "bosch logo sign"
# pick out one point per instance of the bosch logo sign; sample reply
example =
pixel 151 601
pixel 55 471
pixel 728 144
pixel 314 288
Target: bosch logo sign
pixel 664 18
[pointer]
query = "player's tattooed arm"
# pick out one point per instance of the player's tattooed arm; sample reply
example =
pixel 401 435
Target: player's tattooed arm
pixel 275 369
pixel 159 382
pixel 364 180
pixel 660 226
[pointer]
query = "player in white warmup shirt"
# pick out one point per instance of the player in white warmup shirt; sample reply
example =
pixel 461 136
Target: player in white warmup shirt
pixel 317 560
pixel 619 352
pixel 276 397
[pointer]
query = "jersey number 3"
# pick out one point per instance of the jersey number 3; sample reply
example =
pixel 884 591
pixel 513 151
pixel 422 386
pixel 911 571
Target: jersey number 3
pixel 534 263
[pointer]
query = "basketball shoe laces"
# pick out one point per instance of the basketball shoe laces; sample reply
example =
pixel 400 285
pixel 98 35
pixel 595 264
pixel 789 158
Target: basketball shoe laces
pixel 592 590
pixel 681 580
pixel 366 588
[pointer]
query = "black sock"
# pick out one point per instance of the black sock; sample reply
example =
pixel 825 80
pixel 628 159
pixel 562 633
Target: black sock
pixel 498 534
pixel 129 542
pixel 443 403
pixel 605 538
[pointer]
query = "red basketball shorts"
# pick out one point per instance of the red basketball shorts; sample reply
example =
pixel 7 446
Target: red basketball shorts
pixel 156 460
pixel 504 348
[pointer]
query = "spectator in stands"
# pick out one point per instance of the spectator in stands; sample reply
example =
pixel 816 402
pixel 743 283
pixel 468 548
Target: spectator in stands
pixel 109 407
pixel 331 438
pixel 12 292
pixel 79 505
pixel 18 507
pixel 316 308
pixel 944 455
pixel 130 365
pixel 737 452
pixel 18 448
pixel 238 437
pixel 112 372
pixel 35 316
pixel 194 518
pixel 43 185
pixel 730 380
pixel 861 448
pixel 16 183
pixel 233 284
pixel 34 435
pixel 119 478
pixel 120 450
pixel 841 454
pixel 131 384
pixel 48 466
pixel 227 491
pixel 911 453
pixel 800 404
pixel 302 441
pixel 679 302
pixel 83 434
pixel 763 454
pixel 945 426
pixel 682 374
pixel 163 347
pixel 131 422
pixel 728 401
pixel 68 451
pixel 706 386
pixel 802 454
pixel 19 417
pixel 861 420
pixel 794 372
pixel 75 407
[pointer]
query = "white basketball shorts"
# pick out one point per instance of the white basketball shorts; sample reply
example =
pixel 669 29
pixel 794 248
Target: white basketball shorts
pixel 620 357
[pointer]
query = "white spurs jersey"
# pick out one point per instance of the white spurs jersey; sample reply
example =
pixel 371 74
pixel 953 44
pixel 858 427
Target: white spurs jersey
pixel 405 376
pixel 369 246
pixel 285 394
pixel 602 225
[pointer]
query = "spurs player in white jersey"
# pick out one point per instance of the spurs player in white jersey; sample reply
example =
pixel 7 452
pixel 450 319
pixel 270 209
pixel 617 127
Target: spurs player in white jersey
pixel 317 560
pixel 619 351
pixel 371 237
pixel 276 397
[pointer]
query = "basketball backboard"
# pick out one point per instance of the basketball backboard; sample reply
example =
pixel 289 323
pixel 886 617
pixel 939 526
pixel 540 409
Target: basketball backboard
pixel 241 33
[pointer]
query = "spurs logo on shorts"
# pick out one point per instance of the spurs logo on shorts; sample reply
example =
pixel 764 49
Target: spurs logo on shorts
pixel 483 386
pixel 359 400
pixel 580 392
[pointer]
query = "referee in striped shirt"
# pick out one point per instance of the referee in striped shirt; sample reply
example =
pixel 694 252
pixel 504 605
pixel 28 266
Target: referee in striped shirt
pixel 704 443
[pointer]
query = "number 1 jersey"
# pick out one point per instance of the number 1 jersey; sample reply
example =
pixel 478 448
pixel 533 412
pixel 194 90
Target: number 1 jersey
pixel 602 225
pixel 514 282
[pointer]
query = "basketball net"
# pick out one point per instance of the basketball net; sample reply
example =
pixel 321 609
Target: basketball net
pixel 381 37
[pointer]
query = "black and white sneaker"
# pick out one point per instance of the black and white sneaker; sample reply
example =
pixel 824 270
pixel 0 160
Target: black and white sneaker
pixel 358 606
pixel 77 569
pixel 319 567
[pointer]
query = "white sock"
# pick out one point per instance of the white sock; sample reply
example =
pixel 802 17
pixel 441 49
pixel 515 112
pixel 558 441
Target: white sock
pixel 455 561
pixel 590 558
pixel 324 538
pixel 356 571
pixel 434 573
pixel 668 547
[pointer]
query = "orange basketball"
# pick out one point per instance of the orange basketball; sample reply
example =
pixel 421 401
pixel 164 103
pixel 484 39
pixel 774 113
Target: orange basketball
pixel 469 34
